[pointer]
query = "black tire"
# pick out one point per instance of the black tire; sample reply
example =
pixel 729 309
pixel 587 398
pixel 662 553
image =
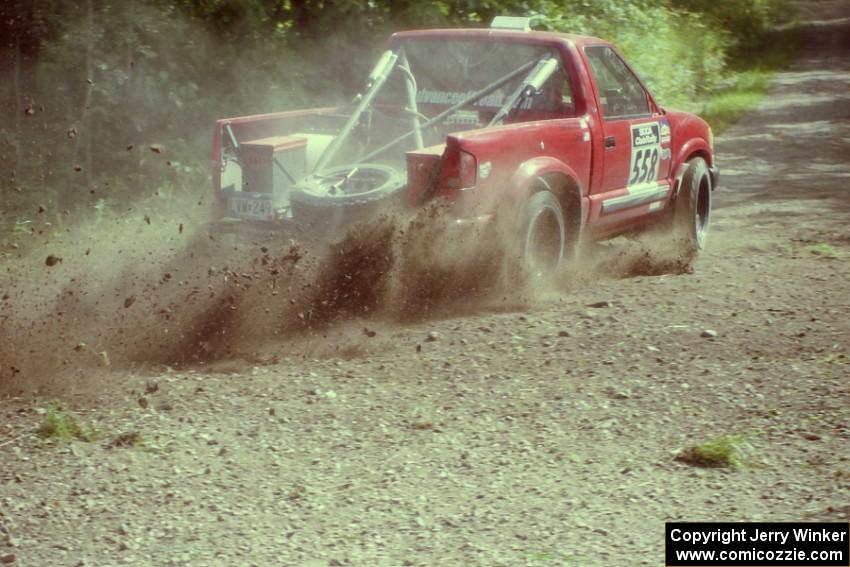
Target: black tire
pixel 692 211
pixel 543 235
pixel 316 209
pixel 318 190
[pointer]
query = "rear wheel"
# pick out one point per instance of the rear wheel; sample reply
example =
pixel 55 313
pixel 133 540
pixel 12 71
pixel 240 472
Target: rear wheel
pixel 543 235
pixel 692 211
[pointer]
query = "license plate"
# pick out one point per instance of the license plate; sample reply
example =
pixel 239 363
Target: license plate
pixel 259 208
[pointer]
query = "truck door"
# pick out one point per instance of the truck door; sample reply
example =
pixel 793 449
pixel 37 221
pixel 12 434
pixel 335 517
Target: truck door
pixel 636 145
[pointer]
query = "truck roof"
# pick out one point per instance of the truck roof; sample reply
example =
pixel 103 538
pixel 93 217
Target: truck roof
pixel 542 37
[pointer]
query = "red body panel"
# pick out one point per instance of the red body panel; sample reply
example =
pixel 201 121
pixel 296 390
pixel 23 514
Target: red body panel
pixel 518 154
pixel 690 137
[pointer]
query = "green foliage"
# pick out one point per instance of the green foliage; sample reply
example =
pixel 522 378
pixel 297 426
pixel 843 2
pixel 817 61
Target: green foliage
pixel 734 99
pixel 676 36
pixel 64 427
pixel 730 451
pixel 747 21
pixel 747 79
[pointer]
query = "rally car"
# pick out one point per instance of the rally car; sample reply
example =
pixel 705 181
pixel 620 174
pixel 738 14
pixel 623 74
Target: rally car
pixel 552 135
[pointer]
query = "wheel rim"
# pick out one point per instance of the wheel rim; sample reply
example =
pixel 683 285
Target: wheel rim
pixel 344 183
pixel 362 181
pixel 544 244
pixel 702 212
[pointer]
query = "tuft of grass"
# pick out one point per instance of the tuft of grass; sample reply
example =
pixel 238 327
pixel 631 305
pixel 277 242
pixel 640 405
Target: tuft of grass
pixel 823 250
pixel 729 451
pixel 64 427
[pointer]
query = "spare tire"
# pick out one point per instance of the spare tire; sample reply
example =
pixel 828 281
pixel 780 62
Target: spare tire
pixel 345 195
pixel 349 185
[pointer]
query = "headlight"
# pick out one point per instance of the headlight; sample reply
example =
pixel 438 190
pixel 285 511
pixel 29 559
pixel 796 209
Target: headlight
pixel 711 138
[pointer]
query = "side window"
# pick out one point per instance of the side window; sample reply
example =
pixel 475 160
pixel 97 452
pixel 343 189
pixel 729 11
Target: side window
pixel 621 93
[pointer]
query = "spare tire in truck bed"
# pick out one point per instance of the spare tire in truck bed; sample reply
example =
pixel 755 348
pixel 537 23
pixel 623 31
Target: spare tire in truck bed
pixel 345 195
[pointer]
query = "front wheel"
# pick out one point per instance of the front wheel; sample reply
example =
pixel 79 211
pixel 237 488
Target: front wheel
pixel 692 210
pixel 543 235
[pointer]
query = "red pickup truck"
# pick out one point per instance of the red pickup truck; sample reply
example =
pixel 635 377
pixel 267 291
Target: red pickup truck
pixel 552 134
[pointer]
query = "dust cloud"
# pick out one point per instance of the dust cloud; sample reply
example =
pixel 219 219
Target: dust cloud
pixel 140 290
pixel 137 290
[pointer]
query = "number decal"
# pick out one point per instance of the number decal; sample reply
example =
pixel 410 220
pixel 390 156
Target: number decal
pixel 635 170
pixel 646 146
pixel 643 169
pixel 653 167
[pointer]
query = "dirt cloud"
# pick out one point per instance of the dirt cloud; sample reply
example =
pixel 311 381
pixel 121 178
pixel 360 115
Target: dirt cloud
pixel 142 290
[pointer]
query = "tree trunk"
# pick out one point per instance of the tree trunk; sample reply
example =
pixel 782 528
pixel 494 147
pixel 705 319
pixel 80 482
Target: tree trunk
pixel 90 91
pixel 131 106
pixel 85 134
pixel 17 107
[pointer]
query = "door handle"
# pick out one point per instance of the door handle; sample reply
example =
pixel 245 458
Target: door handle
pixel 610 142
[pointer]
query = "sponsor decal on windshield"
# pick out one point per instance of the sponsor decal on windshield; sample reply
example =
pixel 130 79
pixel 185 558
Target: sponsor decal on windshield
pixel 492 100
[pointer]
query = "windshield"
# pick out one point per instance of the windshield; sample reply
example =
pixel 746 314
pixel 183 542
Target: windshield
pixel 447 71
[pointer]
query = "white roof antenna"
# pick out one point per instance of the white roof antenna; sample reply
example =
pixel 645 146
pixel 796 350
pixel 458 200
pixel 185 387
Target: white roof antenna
pixel 516 23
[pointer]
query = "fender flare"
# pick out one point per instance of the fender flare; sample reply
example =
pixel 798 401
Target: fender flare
pixel 534 170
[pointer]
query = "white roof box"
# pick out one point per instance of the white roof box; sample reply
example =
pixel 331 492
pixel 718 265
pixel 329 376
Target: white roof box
pixel 511 23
